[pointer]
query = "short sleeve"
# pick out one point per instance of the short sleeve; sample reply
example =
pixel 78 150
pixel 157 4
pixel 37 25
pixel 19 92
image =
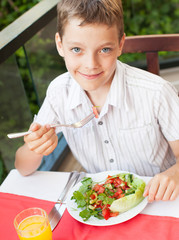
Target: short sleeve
pixel 168 111
pixel 47 113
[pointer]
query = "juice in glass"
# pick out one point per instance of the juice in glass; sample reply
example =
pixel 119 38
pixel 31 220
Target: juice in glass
pixel 33 224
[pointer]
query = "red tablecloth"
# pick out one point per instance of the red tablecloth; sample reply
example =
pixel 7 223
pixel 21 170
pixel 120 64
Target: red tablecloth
pixel 141 227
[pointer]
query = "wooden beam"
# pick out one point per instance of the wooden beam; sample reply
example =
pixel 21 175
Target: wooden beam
pixel 152 62
pixel 154 43
pixel 25 27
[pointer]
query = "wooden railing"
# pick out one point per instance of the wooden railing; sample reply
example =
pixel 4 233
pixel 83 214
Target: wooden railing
pixel 16 35
pixel 151 45
pixel 25 27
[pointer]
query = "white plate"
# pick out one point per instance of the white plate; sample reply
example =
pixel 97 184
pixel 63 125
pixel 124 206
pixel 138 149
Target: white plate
pixel 74 211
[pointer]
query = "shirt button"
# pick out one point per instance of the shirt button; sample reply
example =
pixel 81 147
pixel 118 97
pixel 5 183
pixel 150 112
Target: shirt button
pixel 100 123
pixel 106 141
pixel 111 160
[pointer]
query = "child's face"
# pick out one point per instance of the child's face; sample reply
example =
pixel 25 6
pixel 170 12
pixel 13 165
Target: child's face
pixel 90 53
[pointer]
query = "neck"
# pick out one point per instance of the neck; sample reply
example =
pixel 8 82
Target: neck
pixel 97 98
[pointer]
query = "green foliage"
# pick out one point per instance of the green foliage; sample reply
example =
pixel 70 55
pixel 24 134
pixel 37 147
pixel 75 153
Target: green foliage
pixel 44 60
pixel 3 170
pixel 25 73
pixel 140 18
pixel 151 17
pixel 10 10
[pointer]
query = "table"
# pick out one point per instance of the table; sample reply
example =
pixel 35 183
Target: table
pixel 159 219
pixel 51 185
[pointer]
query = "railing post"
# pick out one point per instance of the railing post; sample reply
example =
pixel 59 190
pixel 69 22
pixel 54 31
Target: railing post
pixel 152 62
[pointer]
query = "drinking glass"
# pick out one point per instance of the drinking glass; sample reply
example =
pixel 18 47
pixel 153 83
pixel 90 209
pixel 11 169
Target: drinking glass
pixel 33 224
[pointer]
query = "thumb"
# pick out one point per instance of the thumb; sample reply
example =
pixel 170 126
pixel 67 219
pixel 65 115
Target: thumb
pixel 34 127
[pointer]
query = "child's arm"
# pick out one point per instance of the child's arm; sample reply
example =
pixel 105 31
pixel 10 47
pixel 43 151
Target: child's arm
pixel 41 142
pixel 165 186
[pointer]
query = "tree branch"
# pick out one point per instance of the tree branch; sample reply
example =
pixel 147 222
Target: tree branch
pixel 11 3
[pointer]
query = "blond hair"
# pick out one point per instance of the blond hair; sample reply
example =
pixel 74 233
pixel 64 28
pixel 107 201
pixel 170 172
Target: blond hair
pixel 107 12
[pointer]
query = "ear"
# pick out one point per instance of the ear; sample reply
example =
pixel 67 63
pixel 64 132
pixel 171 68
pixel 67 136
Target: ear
pixel 121 44
pixel 59 45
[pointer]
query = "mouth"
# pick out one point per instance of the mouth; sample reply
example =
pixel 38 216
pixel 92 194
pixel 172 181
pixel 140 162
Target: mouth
pixel 91 76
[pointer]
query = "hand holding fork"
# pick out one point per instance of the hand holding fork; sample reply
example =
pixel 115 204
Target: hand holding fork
pixel 73 125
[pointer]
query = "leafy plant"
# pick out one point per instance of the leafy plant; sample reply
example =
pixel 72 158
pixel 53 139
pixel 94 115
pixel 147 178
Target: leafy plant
pixel 3 170
pixel 43 63
pixel 10 10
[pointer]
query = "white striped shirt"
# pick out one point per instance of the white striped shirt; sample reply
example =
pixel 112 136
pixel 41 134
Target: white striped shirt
pixel 140 115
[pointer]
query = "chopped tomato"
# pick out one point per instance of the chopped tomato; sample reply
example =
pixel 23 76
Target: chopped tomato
pixel 114 214
pixel 119 190
pixel 109 181
pixel 93 196
pixel 117 182
pixel 101 190
pixel 116 195
pixel 124 187
pixel 109 177
pixel 96 187
pixel 106 213
pixel 122 195
pixel 95 112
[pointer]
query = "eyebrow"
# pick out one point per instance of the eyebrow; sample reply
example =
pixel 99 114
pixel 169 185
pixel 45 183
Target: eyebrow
pixel 108 44
pixel 102 45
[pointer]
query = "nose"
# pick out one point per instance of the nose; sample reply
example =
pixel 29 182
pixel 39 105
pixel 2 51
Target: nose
pixel 91 61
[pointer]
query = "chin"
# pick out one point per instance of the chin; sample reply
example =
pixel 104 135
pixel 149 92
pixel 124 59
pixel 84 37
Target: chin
pixel 89 88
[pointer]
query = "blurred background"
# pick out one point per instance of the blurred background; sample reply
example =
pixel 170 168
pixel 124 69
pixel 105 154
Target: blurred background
pixel 26 72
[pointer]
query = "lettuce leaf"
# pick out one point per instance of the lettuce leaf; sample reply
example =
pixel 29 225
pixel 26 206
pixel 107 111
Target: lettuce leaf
pixel 130 201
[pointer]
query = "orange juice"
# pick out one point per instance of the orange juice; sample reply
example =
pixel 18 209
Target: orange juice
pixel 33 228
pixel 33 224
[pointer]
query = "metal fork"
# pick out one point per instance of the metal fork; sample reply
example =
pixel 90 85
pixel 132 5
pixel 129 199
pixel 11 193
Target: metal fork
pixel 73 125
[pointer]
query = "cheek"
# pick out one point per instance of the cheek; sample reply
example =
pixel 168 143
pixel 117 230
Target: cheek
pixel 71 64
pixel 110 64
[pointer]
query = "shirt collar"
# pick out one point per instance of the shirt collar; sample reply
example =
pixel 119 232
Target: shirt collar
pixel 77 95
pixel 117 96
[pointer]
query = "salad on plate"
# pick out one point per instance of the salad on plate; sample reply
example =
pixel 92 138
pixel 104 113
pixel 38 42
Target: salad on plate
pixel 108 198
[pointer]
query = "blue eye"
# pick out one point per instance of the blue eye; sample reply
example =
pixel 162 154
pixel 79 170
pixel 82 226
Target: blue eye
pixel 76 50
pixel 105 50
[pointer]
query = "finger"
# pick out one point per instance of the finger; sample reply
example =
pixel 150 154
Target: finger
pixel 153 189
pixel 34 126
pixel 36 135
pixel 50 143
pixel 51 148
pixel 43 139
pixel 48 126
pixel 161 191
pixel 174 195
pixel 169 191
pixel 146 191
pixel 46 149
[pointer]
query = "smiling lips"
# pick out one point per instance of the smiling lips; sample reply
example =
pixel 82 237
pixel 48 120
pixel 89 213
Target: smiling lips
pixel 91 76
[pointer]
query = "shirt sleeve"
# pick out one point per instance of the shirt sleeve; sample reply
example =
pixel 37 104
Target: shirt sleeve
pixel 168 111
pixel 47 113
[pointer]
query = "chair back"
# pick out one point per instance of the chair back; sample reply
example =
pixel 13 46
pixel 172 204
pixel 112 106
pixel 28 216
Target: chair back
pixel 151 45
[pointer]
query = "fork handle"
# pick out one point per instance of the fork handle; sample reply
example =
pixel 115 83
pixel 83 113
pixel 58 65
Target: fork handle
pixel 60 125
pixel 21 134
pixel 16 135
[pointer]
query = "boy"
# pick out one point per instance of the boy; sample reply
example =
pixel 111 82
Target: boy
pixel 138 125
